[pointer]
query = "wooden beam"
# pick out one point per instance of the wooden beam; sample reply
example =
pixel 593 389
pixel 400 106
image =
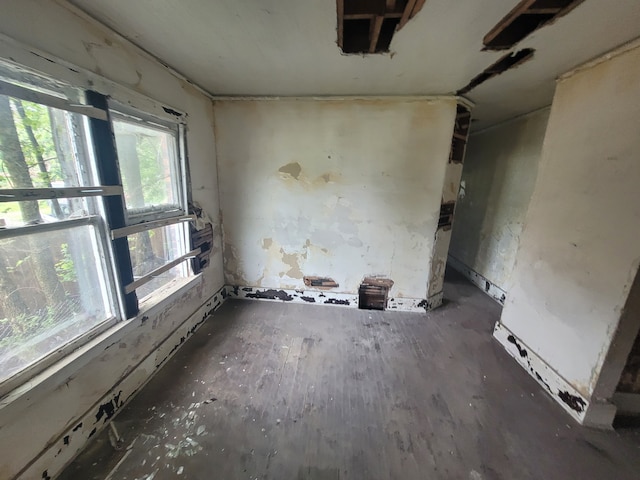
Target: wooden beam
pixel 358 16
pixel 370 16
pixel 541 11
pixel 376 25
pixel 391 5
pixel 507 20
pixel 460 136
pixel 405 15
pixel 340 12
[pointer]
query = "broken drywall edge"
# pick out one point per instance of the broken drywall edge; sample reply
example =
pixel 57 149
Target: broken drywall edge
pixel 616 52
pixel 483 283
pixel 467 102
pixel 59 453
pixel 598 415
pixel 323 297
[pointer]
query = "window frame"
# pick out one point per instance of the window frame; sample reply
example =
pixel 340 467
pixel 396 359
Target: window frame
pixel 94 220
pixel 119 112
pixel 111 222
pixel 142 222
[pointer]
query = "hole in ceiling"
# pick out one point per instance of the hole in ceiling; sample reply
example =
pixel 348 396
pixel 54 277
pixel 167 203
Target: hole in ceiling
pixel 527 17
pixel 367 26
pixel 507 62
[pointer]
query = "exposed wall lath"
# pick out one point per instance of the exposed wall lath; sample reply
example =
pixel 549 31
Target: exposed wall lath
pixel 367 26
pixel 527 17
pixel 460 135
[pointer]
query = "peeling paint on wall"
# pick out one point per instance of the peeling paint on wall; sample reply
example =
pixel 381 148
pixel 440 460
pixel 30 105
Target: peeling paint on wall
pixel 330 188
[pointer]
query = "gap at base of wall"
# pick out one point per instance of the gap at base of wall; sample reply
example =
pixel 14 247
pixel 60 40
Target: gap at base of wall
pixel 62 451
pixel 488 287
pixel 627 403
pixel 323 297
pixel 586 412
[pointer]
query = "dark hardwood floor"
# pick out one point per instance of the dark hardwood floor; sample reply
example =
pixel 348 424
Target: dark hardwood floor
pixel 278 391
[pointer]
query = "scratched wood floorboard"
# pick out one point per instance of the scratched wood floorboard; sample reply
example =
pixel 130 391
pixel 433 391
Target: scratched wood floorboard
pixel 307 392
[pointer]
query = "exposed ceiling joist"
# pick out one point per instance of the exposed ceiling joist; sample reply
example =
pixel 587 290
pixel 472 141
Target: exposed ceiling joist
pixel 368 26
pixel 525 18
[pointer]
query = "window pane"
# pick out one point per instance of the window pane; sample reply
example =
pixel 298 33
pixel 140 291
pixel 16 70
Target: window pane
pixel 154 248
pixel 42 147
pixel 19 214
pixel 52 289
pixel 149 167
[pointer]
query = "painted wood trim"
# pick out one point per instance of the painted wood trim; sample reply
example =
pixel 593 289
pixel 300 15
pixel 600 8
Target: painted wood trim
pixel 16 91
pixel 324 297
pixel 480 281
pixel 581 409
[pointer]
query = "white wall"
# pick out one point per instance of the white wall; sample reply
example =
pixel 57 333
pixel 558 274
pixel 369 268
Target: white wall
pixel 500 170
pixel 338 188
pixel 579 252
pixel 34 419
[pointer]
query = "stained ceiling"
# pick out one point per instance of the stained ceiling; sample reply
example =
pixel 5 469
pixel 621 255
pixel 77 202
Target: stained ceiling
pixel 288 48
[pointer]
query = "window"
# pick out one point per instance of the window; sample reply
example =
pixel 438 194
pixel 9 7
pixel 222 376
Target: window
pixel 88 226
pixel 151 167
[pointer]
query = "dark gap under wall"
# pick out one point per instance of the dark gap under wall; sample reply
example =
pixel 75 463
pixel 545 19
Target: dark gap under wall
pixel 507 62
pixel 630 378
pixel 525 18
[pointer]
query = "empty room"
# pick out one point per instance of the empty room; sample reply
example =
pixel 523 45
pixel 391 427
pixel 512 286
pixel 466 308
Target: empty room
pixel 319 240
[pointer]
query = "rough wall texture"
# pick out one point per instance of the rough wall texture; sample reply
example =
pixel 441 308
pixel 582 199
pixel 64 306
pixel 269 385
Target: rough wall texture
pixel 334 188
pixel 46 409
pixel 579 251
pixel 500 171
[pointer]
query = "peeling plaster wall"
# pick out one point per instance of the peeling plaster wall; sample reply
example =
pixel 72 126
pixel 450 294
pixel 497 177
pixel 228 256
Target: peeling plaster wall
pixel 500 171
pixel 34 419
pixel 334 188
pixel 579 251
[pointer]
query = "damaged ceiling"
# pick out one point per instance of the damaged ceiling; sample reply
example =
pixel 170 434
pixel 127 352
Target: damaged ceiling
pixel 289 48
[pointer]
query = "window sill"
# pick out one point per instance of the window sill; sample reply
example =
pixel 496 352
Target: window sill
pixel 35 388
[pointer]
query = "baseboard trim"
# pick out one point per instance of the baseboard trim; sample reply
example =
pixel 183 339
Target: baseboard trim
pixel 556 386
pixel 486 285
pixel 324 297
pixel 72 441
